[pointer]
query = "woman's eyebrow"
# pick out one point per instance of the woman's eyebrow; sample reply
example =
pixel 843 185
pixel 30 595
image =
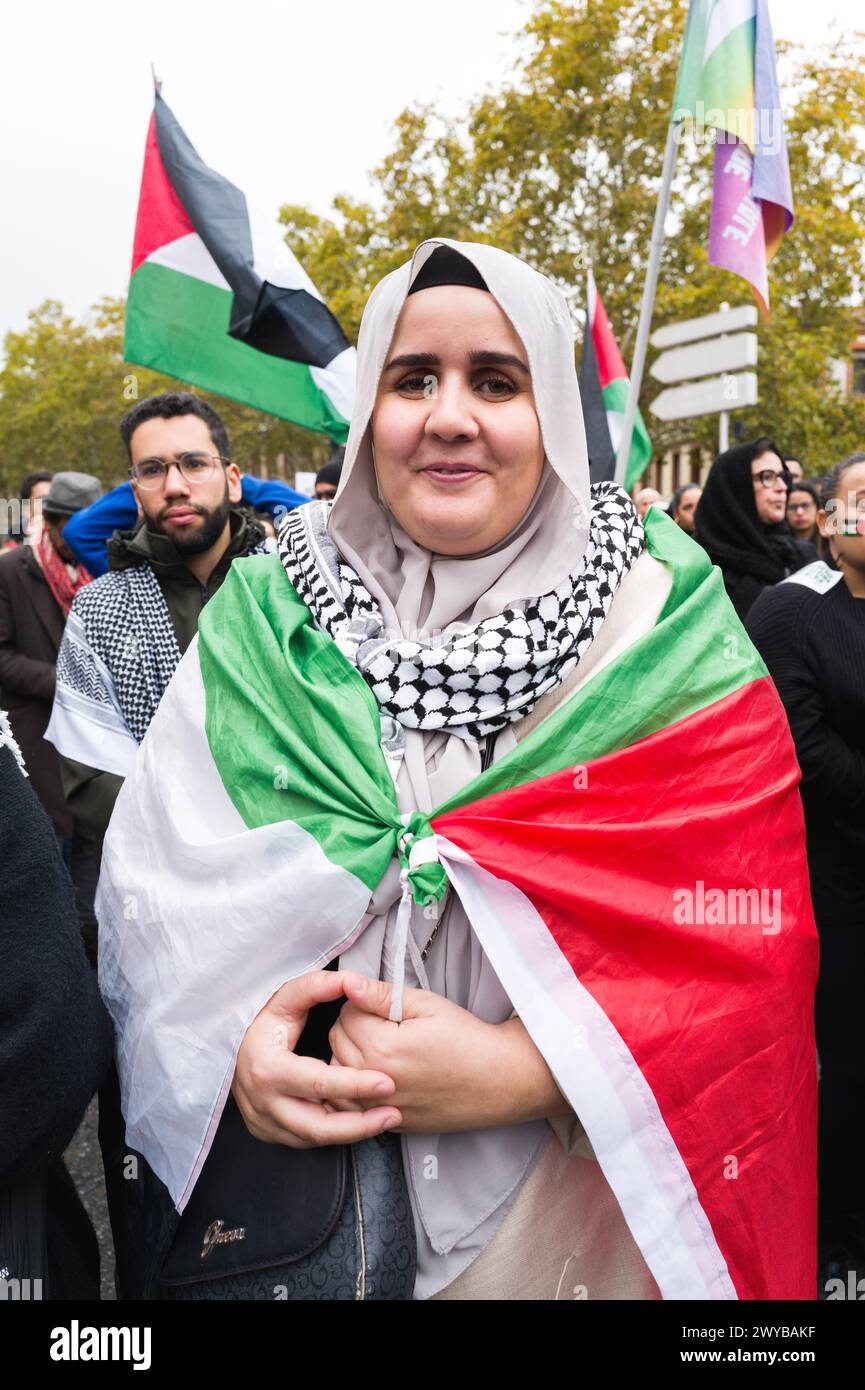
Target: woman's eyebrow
pixel 413 359
pixel 497 359
pixel 478 357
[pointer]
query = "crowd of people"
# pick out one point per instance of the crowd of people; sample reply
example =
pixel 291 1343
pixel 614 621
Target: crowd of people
pixel 452 508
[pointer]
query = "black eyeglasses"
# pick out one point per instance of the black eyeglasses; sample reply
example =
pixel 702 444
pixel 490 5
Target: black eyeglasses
pixel 195 466
pixel 768 477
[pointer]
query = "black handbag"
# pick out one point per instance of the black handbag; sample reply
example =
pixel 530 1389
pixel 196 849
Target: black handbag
pixel 268 1222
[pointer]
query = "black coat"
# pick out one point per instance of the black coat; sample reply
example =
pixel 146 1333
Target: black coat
pixel 814 646
pixel 31 628
pixel 56 1036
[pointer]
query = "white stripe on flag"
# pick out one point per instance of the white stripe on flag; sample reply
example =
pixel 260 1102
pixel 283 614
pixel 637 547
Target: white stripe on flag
pixel 337 380
pixel 615 425
pixel 189 256
pixel 200 921
pixel 601 1080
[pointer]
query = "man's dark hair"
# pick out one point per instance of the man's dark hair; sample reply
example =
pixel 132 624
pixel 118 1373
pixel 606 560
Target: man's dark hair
pixel 30 482
pixel 673 508
pixel 167 406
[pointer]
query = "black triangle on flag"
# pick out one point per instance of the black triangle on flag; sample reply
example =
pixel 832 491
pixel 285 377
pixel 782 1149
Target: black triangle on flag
pixel 602 457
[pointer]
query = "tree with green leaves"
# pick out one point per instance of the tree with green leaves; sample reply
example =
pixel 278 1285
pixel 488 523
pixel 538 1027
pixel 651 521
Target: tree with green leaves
pixel 63 389
pixel 561 167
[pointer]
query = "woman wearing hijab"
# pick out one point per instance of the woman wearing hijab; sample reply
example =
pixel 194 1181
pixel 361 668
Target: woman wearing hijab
pixel 423 745
pixel 741 522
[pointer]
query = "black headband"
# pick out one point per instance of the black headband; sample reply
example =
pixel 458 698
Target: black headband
pixel 447 267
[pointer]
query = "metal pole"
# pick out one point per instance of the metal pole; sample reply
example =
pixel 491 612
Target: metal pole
pixel 724 417
pixel 647 305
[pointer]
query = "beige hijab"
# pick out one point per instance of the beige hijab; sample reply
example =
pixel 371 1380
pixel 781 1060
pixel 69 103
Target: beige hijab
pixel 478 1173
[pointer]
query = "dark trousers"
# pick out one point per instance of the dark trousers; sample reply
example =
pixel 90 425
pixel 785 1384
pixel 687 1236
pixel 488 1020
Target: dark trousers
pixel 841 1106
pixel 82 857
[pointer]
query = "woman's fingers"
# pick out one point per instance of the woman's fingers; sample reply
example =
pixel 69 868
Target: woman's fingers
pixel 303 1101
pixel 345 1052
pixel 307 1078
pixel 295 999
pixel 302 1124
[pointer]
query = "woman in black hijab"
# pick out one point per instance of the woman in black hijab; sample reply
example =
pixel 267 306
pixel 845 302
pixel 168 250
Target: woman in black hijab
pixel 741 522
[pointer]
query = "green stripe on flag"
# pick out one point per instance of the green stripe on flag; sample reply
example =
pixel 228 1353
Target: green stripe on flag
pixel 178 324
pixel 615 395
pixel 294 730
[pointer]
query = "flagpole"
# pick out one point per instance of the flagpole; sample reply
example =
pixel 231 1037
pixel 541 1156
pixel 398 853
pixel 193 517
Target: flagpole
pixel 647 305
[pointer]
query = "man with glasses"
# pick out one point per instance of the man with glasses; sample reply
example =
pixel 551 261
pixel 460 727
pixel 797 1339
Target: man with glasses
pixel 127 632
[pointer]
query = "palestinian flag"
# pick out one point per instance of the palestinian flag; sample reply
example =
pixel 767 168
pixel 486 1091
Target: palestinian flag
pixel 634 870
pixel 224 305
pixel 604 394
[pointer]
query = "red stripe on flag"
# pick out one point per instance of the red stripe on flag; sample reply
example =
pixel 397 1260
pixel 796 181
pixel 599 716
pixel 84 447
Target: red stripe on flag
pixel 718 1015
pixel 162 217
pixel 610 364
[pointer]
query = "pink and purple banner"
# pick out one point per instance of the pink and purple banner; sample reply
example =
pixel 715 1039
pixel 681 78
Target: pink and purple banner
pixel 728 81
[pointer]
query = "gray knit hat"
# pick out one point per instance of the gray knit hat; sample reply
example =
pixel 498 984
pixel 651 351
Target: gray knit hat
pixel 70 492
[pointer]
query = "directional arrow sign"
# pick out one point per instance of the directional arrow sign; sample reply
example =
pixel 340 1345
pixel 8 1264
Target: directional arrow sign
pixel 728 321
pixel 706 397
pixel 705 359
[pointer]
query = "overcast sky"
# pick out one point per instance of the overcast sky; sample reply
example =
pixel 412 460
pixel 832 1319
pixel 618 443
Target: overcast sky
pixel 294 102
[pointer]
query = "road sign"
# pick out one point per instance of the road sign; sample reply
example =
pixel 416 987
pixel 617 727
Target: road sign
pixel 717 395
pixel 707 358
pixel 728 321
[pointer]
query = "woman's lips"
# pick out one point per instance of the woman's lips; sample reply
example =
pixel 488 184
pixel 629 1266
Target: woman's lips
pixel 452 473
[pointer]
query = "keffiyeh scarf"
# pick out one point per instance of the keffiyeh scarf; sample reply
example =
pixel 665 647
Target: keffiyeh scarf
pixel 475 681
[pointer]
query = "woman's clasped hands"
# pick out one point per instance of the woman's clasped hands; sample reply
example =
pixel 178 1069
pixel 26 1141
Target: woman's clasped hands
pixel 440 1069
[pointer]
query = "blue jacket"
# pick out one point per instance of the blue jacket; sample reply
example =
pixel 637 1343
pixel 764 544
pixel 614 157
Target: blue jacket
pixel 88 531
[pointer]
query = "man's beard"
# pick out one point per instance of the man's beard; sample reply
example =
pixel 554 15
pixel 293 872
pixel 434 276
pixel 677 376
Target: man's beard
pixel 206 535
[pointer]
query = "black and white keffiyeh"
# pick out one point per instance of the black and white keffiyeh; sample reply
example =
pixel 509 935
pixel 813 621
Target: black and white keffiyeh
pixel 118 654
pixel 476 681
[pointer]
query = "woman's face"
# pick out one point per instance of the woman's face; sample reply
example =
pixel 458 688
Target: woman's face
pixel 801 511
pixel 843 522
pixel 458 449
pixel 770 494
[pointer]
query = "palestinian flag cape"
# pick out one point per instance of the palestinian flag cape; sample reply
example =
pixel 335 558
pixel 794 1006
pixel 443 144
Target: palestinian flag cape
pixel 224 305
pixel 604 394
pixel 634 870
